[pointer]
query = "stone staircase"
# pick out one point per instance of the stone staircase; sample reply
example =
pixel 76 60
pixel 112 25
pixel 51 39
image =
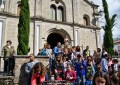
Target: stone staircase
pixel 6 80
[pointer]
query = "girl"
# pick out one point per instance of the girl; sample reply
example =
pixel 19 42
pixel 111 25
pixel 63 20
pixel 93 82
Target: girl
pixel 100 79
pixel 38 74
pixel 70 75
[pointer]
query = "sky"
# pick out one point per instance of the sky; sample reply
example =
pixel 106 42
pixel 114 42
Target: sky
pixel 114 8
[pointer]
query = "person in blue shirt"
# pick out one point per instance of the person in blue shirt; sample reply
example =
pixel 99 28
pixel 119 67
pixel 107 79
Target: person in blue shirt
pixel 104 63
pixel 57 49
pixel 80 70
pixel 89 80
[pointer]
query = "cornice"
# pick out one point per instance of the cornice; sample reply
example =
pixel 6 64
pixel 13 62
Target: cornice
pixel 39 18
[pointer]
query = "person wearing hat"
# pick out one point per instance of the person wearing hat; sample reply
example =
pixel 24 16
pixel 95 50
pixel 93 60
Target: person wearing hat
pixel 8 53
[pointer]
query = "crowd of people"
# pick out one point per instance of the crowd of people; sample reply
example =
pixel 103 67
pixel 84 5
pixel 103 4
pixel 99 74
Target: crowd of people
pixel 72 66
pixel 82 68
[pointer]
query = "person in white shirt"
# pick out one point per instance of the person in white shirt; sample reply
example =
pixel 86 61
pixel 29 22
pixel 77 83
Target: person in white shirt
pixel 115 65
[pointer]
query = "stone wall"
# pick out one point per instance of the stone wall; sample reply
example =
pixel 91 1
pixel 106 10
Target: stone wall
pixel 20 62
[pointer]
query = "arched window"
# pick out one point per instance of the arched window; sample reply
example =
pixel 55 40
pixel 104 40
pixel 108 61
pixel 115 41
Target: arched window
pixel 60 14
pixel 53 12
pixel 86 20
pixel 18 8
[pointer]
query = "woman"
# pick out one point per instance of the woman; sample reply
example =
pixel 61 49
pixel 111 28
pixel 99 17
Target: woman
pixel 43 51
pixel 38 74
pixel 100 79
pixel 58 67
pixel 109 61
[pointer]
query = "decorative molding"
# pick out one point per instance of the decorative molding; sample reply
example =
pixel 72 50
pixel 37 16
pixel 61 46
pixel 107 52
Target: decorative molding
pixel 39 18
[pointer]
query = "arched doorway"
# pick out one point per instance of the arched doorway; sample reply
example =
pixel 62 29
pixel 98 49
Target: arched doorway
pixel 53 38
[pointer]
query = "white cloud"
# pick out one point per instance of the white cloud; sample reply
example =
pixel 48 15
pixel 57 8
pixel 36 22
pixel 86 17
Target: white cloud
pixel 114 8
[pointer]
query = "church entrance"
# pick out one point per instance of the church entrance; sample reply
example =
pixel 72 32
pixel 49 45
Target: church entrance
pixel 53 38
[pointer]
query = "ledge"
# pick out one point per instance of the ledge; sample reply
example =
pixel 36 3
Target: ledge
pixel 26 56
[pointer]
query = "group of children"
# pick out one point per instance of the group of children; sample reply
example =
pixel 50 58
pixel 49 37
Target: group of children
pixel 82 69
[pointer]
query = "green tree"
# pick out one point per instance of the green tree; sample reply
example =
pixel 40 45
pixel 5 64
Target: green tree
pixel 108 36
pixel 23 28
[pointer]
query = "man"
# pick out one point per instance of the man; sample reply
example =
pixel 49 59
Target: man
pixel 29 66
pixel 104 63
pixel 8 52
pixel 86 52
pixel 57 49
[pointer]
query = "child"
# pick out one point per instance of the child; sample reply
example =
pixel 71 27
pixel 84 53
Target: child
pixel 65 63
pixel 70 75
pixel 100 78
pixel 38 74
pixel 90 79
pixel 90 68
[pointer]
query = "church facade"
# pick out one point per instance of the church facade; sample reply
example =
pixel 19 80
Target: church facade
pixel 51 21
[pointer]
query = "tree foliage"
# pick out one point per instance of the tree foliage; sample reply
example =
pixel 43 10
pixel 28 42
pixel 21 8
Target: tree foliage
pixel 23 28
pixel 108 36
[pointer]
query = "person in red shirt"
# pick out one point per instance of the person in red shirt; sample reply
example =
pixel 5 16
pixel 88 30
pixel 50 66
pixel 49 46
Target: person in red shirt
pixel 70 75
pixel 38 74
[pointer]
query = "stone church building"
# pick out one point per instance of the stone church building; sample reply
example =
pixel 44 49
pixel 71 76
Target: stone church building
pixel 51 21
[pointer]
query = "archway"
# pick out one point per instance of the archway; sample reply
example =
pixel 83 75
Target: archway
pixel 53 38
